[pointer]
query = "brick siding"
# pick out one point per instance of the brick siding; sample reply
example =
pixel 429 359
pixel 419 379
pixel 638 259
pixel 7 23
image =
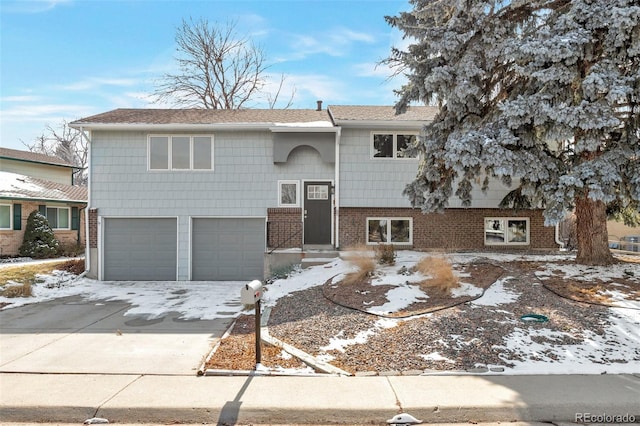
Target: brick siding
pixel 284 227
pixel 10 240
pixel 455 229
pixel 93 228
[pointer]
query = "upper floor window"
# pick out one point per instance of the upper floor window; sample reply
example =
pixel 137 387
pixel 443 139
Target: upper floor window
pixel 391 145
pixel 180 152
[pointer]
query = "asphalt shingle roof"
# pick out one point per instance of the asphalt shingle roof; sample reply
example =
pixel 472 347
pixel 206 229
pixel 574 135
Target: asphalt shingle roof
pixel 35 157
pixel 381 113
pixel 204 116
pixel 257 116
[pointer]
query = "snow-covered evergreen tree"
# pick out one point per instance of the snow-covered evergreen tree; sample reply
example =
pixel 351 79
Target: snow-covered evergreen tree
pixel 39 240
pixel 541 94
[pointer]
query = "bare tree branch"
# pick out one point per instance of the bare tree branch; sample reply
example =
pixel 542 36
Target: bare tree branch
pixel 217 69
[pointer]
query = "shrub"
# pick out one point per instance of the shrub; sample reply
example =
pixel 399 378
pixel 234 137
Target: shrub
pixel 71 250
pixel 362 258
pixel 39 240
pixel 16 290
pixel 386 254
pixel 439 268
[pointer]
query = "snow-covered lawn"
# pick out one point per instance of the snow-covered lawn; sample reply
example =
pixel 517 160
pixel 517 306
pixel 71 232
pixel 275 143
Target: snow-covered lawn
pixel 543 350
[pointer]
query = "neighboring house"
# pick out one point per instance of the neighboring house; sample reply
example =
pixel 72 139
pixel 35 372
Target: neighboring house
pixel 31 181
pixel 195 194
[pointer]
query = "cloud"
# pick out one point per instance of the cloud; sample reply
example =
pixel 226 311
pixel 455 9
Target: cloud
pixel 31 6
pixel 336 42
pixel 20 98
pixel 93 83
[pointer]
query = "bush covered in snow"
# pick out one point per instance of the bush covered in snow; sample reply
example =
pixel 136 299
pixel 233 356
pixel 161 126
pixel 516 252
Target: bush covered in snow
pixel 39 240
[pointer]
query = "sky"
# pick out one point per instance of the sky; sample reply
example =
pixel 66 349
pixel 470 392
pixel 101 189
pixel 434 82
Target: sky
pixel 61 60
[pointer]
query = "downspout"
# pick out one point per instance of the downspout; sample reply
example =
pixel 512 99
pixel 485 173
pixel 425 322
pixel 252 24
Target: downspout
pixel 557 235
pixel 87 248
pixel 337 188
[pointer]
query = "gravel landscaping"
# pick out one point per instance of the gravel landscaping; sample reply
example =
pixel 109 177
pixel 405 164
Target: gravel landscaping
pixel 482 330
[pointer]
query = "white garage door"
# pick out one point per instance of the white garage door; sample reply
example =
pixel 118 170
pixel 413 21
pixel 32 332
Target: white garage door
pixel 140 249
pixel 227 249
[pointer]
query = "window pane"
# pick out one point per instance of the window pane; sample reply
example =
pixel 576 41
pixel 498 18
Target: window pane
pixel 377 231
pixel 383 146
pixel 63 218
pixel 52 217
pixel 517 231
pixel 202 153
pixel 159 153
pixel 5 217
pixel 494 231
pixel 180 152
pixel 403 142
pixel 318 192
pixel 400 231
pixel 288 193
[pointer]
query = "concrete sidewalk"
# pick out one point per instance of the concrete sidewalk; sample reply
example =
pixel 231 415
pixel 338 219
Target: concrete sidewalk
pixel 73 398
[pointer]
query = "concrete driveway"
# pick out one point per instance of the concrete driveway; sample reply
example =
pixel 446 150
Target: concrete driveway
pixel 74 335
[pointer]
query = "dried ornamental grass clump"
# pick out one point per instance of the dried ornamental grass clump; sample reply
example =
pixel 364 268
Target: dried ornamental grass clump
pixel 441 272
pixel 16 290
pixel 362 258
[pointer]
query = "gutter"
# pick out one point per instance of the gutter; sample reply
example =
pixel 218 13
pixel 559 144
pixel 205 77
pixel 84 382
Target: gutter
pixel 336 196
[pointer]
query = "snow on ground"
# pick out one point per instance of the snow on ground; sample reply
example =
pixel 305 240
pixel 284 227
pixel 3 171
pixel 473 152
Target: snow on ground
pixel 614 352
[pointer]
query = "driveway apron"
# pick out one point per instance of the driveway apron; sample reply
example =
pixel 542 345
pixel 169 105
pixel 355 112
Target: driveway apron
pixel 74 335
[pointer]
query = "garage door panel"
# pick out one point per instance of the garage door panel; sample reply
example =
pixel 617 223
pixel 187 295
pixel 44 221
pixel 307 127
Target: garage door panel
pixel 227 248
pixel 140 249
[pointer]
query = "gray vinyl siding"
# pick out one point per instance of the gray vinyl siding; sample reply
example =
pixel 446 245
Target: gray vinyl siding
pixel 367 182
pixel 243 183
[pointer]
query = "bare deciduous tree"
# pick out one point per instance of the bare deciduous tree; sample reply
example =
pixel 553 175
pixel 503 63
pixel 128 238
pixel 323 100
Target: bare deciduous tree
pixel 216 69
pixel 67 144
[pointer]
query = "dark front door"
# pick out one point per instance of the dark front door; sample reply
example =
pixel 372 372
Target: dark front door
pixel 317 212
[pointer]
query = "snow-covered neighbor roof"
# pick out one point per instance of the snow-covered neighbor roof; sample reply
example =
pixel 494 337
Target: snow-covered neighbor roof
pixel 16 186
pixel 33 157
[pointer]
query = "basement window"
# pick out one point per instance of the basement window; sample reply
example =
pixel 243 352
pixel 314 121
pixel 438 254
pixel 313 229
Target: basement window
pixel 383 230
pixel 506 231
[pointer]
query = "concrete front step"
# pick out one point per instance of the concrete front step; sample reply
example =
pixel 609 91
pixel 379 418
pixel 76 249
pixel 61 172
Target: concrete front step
pixel 317 257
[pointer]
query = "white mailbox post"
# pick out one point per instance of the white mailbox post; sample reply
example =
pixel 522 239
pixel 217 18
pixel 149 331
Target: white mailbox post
pixel 251 294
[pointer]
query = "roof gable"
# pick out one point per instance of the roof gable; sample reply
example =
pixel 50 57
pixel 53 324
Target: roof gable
pixel 33 157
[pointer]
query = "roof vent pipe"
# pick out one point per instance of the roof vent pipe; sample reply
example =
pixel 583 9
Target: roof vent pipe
pixel 319 106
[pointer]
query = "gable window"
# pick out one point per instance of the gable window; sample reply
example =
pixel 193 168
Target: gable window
pixel 5 216
pixel 391 145
pixel 506 231
pixel 389 230
pixel 288 193
pixel 58 217
pixel 180 152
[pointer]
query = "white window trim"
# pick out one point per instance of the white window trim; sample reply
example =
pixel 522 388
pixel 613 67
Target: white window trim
pixel 170 156
pixel 10 228
pixel 506 228
pixel 297 183
pixel 68 209
pixel 389 219
pixel 394 154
